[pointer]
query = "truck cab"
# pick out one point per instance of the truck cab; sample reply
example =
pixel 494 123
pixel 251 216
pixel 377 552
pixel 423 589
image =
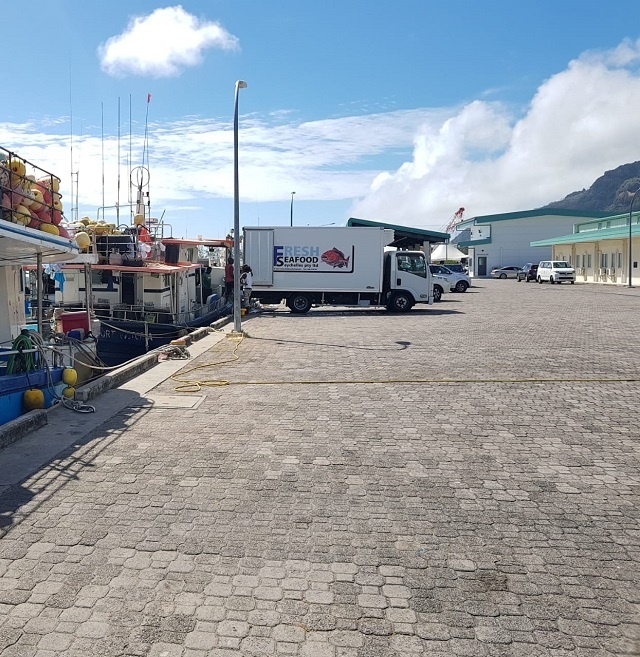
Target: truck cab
pixel 407 280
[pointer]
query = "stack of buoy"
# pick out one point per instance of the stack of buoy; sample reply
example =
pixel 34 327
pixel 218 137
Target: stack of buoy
pixel 33 398
pixel 31 200
pixel 70 377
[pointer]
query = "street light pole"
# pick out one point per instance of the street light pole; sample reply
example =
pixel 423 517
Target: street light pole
pixel 630 255
pixel 240 84
pixel 292 193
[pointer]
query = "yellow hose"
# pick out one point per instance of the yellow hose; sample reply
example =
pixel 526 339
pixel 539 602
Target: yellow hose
pixel 190 385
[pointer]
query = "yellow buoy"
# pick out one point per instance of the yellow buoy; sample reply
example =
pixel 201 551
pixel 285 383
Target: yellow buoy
pixel 69 392
pixel 32 399
pixel 50 228
pixel 69 376
pixel 138 220
pixel 83 240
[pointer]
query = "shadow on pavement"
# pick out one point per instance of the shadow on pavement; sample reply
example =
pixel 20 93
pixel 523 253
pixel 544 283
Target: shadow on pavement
pixel 316 312
pixel 52 475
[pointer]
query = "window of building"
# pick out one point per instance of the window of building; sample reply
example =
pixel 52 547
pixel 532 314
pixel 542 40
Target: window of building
pixel 588 260
pixel 579 261
pixel 604 260
pixel 619 260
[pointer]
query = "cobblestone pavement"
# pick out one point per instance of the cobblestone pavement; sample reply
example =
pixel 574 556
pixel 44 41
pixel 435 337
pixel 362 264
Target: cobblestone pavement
pixel 373 511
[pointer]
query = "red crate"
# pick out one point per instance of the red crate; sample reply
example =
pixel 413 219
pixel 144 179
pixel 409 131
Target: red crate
pixel 77 320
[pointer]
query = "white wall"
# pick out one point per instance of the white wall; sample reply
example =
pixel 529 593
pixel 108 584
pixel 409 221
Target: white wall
pixel 616 270
pixel 510 239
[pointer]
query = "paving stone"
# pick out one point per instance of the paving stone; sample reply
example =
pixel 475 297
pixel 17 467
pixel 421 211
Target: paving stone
pixel 233 628
pixel 492 516
pixel 312 649
pixel 288 633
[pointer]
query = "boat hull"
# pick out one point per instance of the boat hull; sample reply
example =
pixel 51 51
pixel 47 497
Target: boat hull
pixel 122 340
pixel 13 387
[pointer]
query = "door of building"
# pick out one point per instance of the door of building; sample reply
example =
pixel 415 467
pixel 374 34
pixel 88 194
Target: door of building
pixel 482 265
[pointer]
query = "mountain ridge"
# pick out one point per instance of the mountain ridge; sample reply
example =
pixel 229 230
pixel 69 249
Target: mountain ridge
pixel 609 193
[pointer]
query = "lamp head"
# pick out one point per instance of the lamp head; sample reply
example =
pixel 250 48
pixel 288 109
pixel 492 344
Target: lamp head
pixel 241 84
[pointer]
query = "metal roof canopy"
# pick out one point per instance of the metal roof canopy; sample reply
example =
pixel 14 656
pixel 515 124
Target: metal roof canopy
pixel 405 236
pixel 21 246
pixel 616 233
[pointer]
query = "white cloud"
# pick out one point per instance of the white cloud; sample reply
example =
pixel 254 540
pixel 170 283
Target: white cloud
pixel 484 156
pixel 581 122
pixel 162 44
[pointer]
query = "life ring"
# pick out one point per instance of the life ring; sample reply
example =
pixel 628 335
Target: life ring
pixel 143 235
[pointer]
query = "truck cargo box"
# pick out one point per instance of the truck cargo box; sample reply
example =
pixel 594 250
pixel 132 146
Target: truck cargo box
pixel 341 259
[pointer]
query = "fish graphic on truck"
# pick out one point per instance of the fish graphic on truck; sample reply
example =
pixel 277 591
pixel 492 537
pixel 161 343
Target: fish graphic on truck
pixel 335 258
pixel 309 259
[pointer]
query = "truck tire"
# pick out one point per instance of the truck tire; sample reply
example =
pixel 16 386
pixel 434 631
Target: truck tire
pixel 299 303
pixel 437 293
pixel 400 302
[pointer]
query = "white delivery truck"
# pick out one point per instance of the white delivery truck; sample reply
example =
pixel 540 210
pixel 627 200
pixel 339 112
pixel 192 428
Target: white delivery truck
pixel 336 266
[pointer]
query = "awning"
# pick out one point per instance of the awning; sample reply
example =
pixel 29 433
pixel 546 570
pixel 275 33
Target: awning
pixel 447 252
pixel 405 236
pixel 20 246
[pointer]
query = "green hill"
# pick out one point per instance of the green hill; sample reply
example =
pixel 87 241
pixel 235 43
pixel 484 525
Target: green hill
pixel 609 193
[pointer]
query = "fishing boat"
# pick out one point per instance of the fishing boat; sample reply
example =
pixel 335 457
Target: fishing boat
pixel 34 372
pixel 146 289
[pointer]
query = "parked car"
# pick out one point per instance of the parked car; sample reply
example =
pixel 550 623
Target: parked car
pixel 505 272
pixel 440 286
pixel 457 282
pixel 556 271
pixel 528 273
pixel 458 269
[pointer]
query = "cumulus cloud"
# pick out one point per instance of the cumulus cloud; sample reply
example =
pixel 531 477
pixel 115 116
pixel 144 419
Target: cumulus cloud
pixel 162 44
pixel 485 156
pixel 490 158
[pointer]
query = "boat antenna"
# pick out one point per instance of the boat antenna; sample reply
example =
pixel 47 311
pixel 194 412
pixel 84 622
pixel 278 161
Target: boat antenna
pixel 71 147
pixel 146 133
pixel 130 196
pixel 118 201
pixel 102 141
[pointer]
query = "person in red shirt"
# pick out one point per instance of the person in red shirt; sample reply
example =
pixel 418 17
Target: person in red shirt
pixel 228 279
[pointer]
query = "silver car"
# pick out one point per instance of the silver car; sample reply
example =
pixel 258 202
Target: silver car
pixel 458 282
pixel 505 272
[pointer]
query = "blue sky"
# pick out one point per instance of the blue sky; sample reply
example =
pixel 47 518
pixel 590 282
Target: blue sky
pixel 400 111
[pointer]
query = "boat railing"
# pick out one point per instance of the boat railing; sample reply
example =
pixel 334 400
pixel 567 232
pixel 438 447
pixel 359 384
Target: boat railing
pixel 145 312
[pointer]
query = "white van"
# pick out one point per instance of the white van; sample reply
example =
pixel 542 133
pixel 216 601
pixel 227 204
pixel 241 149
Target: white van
pixel 556 271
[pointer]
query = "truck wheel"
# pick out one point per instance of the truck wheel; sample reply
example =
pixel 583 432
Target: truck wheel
pixel 299 303
pixel 400 302
pixel 437 293
pixel 461 286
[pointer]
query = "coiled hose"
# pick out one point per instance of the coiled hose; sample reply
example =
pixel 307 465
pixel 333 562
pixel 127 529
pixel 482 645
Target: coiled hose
pixel 21 362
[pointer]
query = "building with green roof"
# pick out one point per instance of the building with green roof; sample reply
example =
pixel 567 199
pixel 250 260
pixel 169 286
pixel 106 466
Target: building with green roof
pixel 599 249
pixel 500 240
